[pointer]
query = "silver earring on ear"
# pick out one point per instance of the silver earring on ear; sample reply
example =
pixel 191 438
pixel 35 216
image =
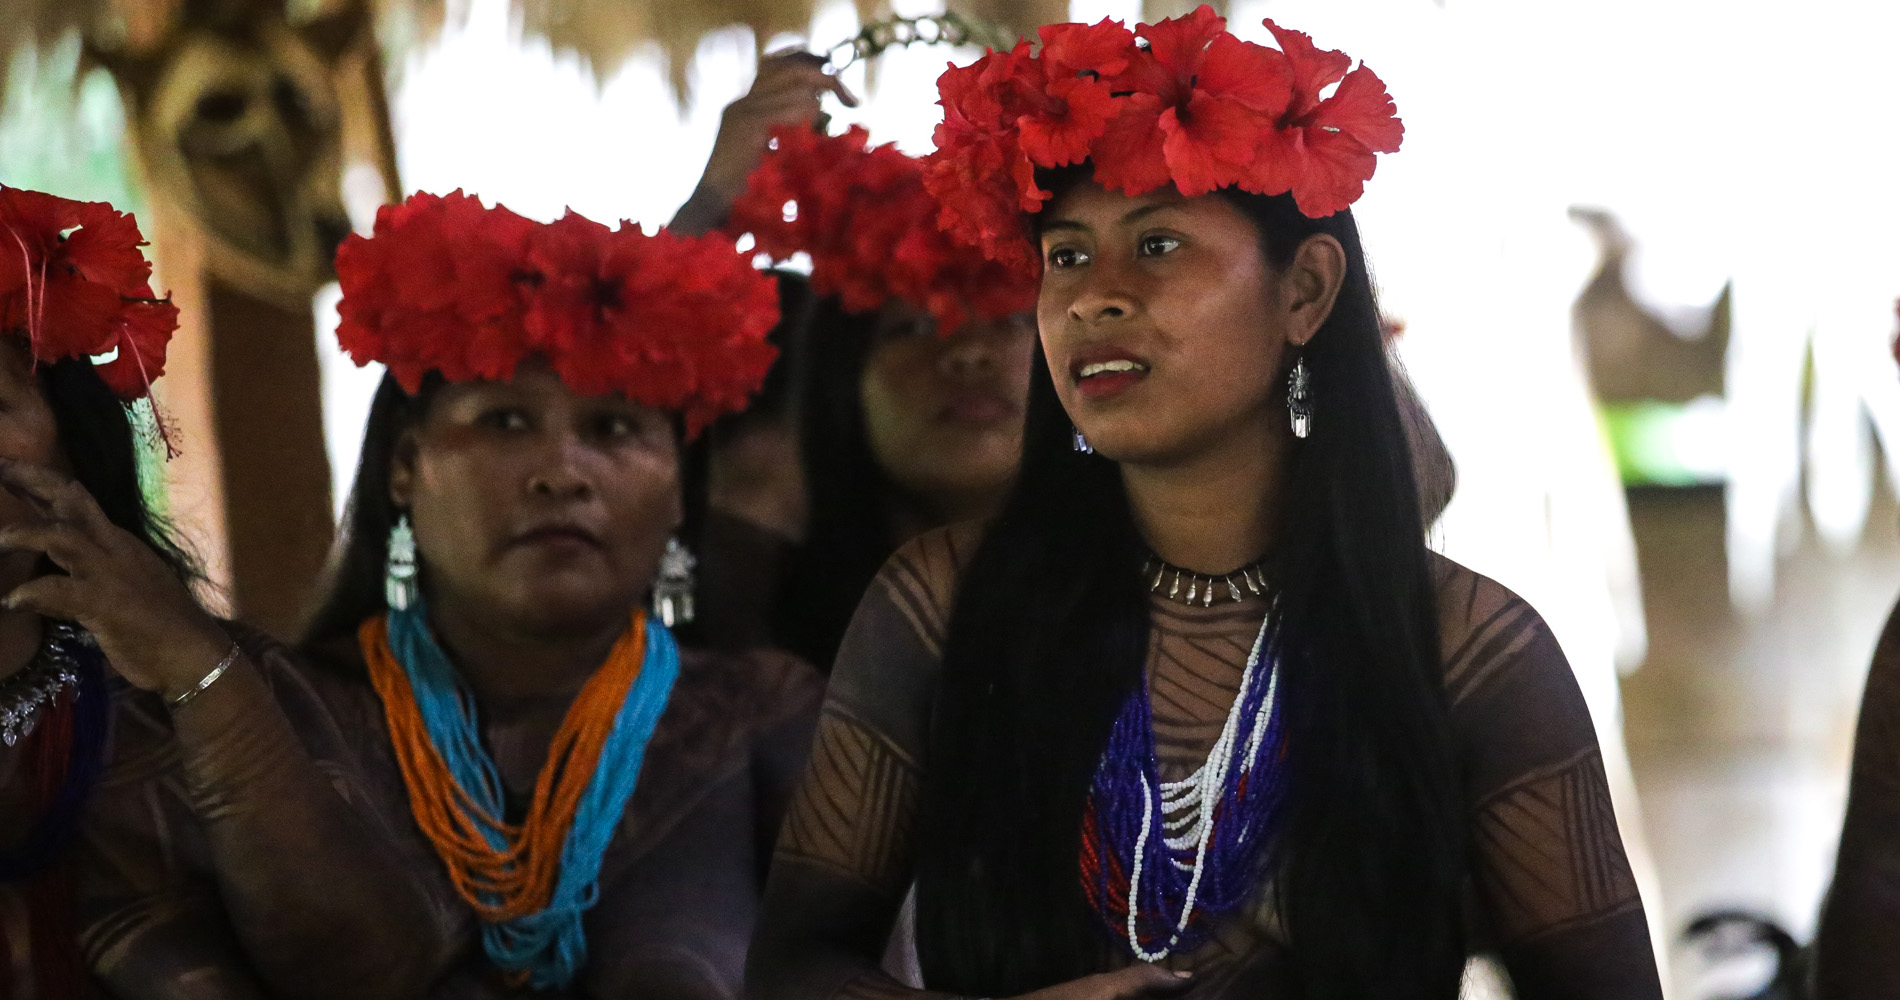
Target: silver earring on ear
pixel 399 571
pixel 1299 399
pixel 1081 443
pixel 673 587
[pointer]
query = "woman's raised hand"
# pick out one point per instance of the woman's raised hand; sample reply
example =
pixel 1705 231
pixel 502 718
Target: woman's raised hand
pixel 786 91
pixel 1136 982
pixel 142 615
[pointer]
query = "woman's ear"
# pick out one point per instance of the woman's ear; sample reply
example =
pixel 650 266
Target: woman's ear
pixel 402 469
pixel 1311 285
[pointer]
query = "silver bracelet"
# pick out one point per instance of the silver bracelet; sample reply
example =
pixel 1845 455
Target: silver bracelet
pixel 208 680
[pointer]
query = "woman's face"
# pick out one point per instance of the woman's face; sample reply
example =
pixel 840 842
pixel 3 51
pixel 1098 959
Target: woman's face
pixel 539 509
pixel 1163 322
pixel 28 433
pixel 945 414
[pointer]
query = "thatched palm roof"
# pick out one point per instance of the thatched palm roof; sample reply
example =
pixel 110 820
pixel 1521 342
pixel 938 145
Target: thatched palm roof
pixel 604 32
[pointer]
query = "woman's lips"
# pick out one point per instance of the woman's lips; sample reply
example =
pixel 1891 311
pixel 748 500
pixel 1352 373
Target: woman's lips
pixel 1107 379
pixel 562 537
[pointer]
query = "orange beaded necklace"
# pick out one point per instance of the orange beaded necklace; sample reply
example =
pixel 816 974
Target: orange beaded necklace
pixel 518 879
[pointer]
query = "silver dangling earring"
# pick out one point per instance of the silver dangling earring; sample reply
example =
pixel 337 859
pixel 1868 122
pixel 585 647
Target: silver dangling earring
pixel 399 572
pixel 673 587
pixel 1081 443
pixel 1299 399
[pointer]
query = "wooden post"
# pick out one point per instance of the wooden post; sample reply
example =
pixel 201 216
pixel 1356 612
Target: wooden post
pixel 238 130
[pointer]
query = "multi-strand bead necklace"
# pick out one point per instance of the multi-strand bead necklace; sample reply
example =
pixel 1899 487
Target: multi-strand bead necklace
pixel 1163 860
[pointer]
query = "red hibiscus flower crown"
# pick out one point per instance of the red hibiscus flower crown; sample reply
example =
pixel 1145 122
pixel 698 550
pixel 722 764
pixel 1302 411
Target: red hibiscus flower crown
pixel 863 216
pixel 75 284
pixel 1182 102
pixel 448 285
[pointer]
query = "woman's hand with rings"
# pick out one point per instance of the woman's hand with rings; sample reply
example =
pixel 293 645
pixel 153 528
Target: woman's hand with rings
pixel 143 616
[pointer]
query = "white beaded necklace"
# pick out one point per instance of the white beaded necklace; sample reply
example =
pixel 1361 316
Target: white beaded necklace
pixel 1187 806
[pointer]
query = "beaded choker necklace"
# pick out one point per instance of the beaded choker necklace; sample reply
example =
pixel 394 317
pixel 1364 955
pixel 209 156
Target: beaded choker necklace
pixel 1162 861
pixel 1166 578
pixel 35 687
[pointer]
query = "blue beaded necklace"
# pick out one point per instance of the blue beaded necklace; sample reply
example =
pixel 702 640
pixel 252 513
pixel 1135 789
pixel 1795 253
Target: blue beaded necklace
pixel 1163 862
pixel 551 943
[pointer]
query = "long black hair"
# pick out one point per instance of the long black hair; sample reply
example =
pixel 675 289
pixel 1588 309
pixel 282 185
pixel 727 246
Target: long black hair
pixel 102 448
pixel 353 584
pixel 850 524
pixel 1049 637
pixel 353 589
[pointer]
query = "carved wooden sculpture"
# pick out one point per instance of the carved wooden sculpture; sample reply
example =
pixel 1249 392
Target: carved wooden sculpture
pixel 237 110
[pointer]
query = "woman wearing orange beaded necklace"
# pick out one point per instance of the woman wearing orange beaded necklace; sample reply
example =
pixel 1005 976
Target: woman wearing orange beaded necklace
pixel 581 809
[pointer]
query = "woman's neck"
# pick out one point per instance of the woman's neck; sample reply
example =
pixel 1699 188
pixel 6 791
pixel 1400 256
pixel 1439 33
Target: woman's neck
pixel 511 672
pixel 1216 510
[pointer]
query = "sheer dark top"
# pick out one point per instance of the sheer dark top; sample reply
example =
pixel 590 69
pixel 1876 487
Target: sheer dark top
pixel 1553 895
pixel 679 887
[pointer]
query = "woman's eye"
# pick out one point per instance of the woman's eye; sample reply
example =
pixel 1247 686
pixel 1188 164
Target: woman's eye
pixel 1066 257
pixel 505 420
pixel 616 426
pixel 1155 246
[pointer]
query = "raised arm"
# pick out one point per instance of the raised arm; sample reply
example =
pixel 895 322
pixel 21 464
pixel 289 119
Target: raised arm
pixel 1857 953
pixel 1552 878
pixel 785 92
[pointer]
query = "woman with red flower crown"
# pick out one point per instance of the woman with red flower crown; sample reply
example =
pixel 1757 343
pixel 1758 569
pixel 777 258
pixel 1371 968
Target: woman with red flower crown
pixel 907 363
pixel 1198 712
pixel 95 591
pixel 557 799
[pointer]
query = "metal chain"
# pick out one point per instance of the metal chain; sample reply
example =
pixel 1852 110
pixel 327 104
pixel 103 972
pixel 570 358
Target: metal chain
pixel 948 28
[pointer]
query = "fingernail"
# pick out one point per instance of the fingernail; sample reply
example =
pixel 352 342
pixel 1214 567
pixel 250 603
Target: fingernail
pixel 1183 974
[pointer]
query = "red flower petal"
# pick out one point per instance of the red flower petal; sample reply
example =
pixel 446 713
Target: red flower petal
pixel 1250 74
pixel 1127 158
pixel 1362 109
pixel 564 313
pixel 77 318
pixel 1312 69
pixel 145 329
pixel 1279 161
pixel 1029 196
pixel 1059 138
pixel 1145 75
pixel 1209 144
pixel 105 248
pixel 1337 168
pixel 1178 43
pixel 1102 48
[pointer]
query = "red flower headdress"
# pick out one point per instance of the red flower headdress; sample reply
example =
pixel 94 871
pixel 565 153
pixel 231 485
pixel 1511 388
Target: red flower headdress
pixel 448 285
pixel 1181 102
pixel 870 228
pixel 74 282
